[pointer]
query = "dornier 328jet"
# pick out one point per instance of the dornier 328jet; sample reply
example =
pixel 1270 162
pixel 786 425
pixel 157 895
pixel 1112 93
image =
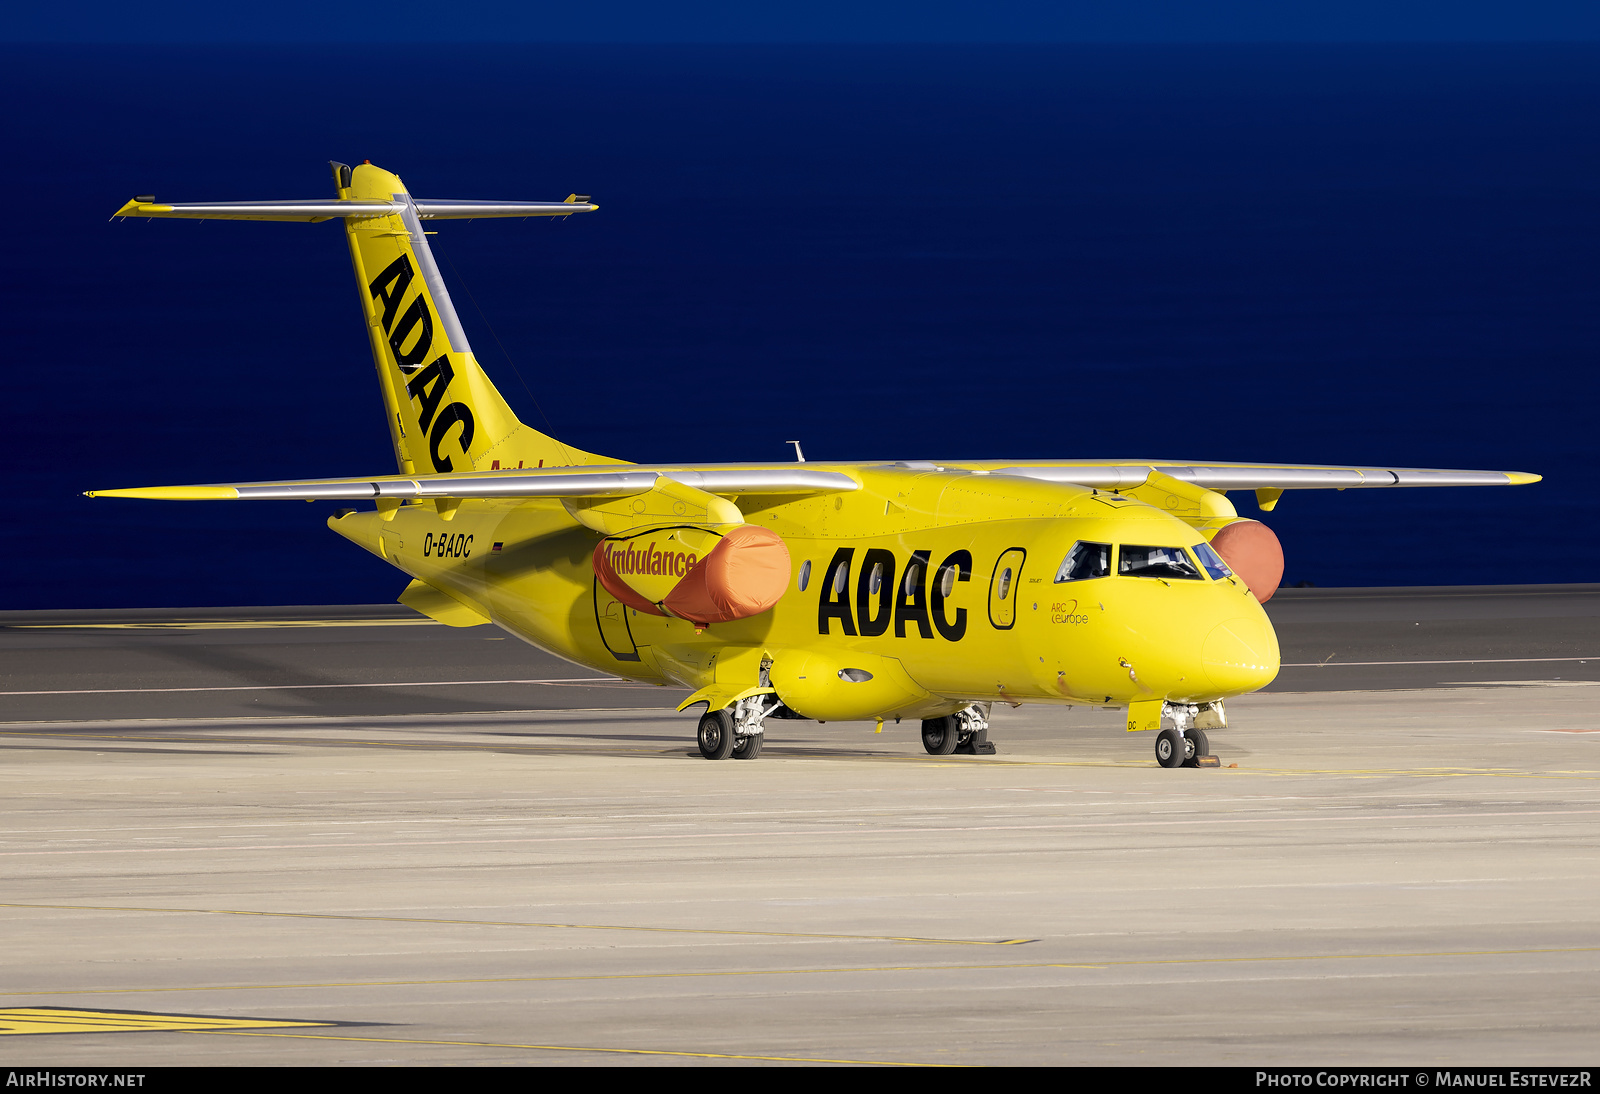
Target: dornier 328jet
pixel 928 590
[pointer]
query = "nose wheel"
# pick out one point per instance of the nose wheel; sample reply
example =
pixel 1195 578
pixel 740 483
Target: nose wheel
pixel 1179 749
pixel 1170 748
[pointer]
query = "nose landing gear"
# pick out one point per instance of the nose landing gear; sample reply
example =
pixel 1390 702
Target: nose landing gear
pixel 1183 744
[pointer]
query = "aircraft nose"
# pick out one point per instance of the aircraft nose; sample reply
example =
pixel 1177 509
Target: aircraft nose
pixel 1241 655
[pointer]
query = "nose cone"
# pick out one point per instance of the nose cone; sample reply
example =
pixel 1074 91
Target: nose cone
pixel 1241 655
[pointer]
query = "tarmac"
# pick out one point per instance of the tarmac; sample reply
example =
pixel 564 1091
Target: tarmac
pixel 348 835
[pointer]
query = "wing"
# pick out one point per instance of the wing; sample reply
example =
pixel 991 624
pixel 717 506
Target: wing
pixel 556 483
pixel 793 479
pixel 1258 476
pixel 315 210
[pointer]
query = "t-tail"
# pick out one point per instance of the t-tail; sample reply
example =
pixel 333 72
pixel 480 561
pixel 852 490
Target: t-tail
pixel 444 412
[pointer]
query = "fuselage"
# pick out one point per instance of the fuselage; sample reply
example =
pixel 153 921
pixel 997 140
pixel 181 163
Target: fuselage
pixel 920 593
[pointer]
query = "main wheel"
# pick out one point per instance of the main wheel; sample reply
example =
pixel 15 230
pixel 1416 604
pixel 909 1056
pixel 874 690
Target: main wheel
pixel 748 748
pixel 1169 748
pixel 716 734
pixel 1195 745
pixel 940 736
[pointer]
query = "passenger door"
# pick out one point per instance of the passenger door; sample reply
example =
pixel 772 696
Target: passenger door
pixel 1003 589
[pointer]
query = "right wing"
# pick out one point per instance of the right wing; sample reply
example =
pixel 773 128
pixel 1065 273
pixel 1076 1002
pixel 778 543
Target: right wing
pixel 1258 476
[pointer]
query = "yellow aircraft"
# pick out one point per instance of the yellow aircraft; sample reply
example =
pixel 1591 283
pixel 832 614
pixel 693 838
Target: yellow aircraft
pixel 928 590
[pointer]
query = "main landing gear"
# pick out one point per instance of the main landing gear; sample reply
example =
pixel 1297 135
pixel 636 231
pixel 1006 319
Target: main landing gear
pixel 965 731
pixel 737 730
pixel 1183 744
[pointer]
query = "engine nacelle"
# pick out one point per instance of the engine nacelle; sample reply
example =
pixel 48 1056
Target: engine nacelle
pixel 704 575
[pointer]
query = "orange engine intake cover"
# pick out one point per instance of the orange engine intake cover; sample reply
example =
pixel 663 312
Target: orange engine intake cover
pixel 1252 551
pixel 744 574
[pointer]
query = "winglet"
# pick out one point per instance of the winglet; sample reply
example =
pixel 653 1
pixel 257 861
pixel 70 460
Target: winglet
pixel 141 207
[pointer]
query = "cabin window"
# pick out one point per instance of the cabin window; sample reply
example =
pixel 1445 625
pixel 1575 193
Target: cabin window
pixel 947 583
pixel 805 574
pixel 875 582
pixel 1212 561
pixel 840 576
pixel 1084 561
pixel 913 577
pixel 1167 562
pixel 1005 583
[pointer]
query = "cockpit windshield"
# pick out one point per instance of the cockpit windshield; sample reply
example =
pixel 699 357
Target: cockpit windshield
pixel 1168 562
pixel 1212 562
pixel 1084 561
pixel 1090 560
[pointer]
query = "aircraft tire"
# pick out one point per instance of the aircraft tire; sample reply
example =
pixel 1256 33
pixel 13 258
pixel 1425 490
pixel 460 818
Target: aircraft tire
pixel 940 736
pixel 1195 745
pixel 748 748
pixel 715 736
pixel 1169 748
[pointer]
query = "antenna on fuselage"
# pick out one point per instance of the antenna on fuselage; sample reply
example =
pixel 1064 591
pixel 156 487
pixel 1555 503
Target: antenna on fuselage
pixel 800 457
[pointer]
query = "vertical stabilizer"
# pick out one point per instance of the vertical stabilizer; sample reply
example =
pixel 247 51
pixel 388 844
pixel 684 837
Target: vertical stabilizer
pixel 444 412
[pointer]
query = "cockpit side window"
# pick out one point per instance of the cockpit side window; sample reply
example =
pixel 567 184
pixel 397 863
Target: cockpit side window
pixel 1168 562
pixel 1212 561
pixel 1084 561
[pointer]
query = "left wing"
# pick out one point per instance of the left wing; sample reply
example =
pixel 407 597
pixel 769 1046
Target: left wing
pixel 557 483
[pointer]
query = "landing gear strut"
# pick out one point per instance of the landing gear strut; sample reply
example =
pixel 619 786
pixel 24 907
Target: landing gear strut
pixel 965 731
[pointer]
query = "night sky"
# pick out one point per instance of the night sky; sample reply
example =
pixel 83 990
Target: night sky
pixel 1363 235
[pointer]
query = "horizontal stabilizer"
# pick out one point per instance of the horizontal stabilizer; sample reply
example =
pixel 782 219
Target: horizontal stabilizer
pixel 314 210
pixel 504 484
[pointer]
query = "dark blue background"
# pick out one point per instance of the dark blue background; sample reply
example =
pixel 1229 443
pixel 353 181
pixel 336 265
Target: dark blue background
pixel 1368 254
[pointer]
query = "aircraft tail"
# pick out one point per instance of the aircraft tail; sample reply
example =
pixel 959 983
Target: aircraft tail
pixel 444 412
